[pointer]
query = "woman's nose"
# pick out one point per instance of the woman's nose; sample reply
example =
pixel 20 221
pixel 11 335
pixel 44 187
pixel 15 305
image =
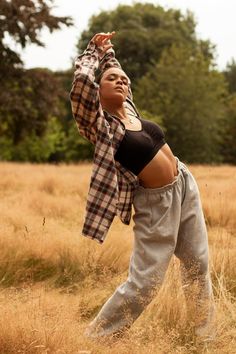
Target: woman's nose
pixel 119 81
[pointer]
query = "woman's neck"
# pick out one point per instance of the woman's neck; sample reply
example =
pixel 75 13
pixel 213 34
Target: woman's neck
pixel 118 111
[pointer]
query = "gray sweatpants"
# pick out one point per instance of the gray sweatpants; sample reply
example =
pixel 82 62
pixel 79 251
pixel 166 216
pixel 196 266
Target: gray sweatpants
pixel 167 221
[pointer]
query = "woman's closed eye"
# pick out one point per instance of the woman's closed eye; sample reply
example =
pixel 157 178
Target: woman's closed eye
pixel 125 82
pixel 113 77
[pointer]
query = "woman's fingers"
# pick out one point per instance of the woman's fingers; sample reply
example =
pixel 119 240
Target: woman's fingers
pixel 107 34
pixel 110 45
pixel 100 37
pixel 105 41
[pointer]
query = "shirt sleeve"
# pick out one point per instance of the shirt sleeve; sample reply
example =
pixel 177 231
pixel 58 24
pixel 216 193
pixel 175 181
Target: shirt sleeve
pixel 84 95
pixel 109 60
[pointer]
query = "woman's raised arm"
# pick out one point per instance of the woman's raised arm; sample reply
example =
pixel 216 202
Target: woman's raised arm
pixel 84 94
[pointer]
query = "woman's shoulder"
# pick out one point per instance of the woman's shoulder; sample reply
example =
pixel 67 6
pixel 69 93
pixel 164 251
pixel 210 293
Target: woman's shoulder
pixel 131 106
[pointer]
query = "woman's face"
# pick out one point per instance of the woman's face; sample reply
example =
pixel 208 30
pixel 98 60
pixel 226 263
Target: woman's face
pixel 114 86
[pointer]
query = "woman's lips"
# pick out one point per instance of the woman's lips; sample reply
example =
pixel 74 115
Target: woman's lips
pixel 119 88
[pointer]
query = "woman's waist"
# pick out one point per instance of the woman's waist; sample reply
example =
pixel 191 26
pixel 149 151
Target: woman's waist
pixel 161 170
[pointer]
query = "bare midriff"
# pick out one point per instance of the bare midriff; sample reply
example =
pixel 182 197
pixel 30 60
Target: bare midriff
pixel 160 171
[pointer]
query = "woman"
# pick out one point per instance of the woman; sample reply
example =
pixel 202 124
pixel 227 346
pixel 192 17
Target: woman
pixel 133 165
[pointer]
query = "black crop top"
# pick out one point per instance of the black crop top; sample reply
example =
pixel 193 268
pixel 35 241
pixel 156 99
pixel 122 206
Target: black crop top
pixel 138 147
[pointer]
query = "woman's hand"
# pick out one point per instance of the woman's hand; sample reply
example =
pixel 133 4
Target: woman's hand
pixel 103 41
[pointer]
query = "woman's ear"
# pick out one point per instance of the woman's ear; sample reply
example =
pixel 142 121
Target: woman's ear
pixel 130 95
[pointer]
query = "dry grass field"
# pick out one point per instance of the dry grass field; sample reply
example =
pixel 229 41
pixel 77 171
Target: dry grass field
pixel 53 280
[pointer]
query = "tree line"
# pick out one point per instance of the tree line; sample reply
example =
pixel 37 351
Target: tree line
pixel 175 82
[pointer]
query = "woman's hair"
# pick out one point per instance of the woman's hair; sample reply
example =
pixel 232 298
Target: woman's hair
pixel 98 76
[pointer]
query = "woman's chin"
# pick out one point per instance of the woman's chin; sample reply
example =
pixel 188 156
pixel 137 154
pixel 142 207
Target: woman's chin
pixel 117 98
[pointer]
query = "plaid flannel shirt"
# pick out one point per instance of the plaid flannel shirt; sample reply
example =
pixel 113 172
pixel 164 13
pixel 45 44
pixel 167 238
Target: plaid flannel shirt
pixel 112 185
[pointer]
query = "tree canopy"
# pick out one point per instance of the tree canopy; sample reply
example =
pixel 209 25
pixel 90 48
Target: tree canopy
pixel 189 97
pixel 29 99
pixel 143 31
pixel 172 71
pixel 175 83
pixel 21 21
pixel 230 75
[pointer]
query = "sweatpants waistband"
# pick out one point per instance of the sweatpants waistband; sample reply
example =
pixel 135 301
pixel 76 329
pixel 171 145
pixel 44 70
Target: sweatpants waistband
pixel 180 168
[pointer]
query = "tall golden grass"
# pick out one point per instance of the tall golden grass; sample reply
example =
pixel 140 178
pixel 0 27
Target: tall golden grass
pixel 53 280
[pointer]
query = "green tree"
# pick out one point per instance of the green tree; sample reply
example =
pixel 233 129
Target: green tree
pixel 64 80
pixel 230 75
pixel 229 137
pixel 188 94
pixel 77 148
pixel 48 148
pixel 28 98
pixel 143 32
pixel 36 96
pixel 22 21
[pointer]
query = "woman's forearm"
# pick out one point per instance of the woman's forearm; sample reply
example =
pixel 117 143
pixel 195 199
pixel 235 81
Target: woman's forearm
pixel 84 94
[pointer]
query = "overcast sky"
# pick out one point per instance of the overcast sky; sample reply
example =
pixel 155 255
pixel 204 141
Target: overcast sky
pixel 215 21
